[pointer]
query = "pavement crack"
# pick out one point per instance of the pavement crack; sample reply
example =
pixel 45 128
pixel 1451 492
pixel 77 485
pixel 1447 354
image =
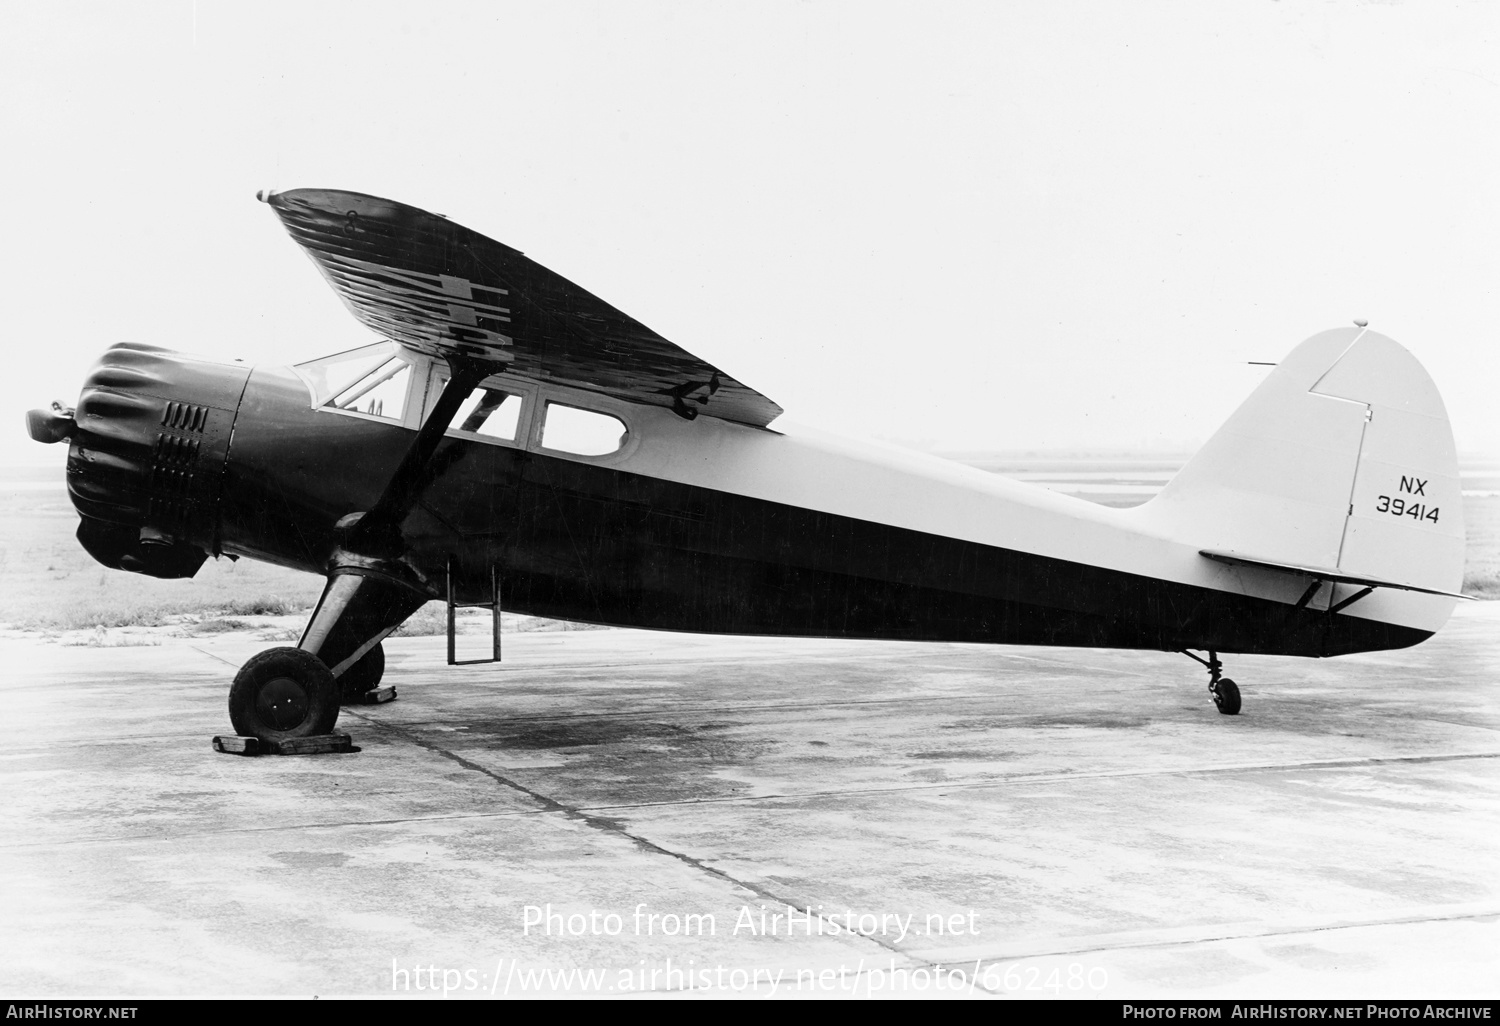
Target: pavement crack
pixel 1053 778
pixel 608 825
pixel 1210 936
pixel 410 736
pixel 215 655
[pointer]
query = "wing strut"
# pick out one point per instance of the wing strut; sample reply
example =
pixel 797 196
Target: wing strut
pixel 379 529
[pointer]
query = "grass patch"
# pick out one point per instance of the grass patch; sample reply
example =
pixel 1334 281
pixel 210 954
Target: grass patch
pixel 47 582
pixel 429 620
pixel 1482 562
pixel 100 638
pixel 104 607
pixel 267 605
pixel 432 619
pixel 220 626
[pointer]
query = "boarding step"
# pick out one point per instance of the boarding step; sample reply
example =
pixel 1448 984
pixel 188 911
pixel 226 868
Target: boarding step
pixel 493 605
pixel 318 744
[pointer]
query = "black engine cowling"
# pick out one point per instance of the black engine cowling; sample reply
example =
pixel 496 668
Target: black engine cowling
pixel 149 439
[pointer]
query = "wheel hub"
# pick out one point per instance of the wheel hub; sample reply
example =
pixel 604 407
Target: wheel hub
pixel 282 703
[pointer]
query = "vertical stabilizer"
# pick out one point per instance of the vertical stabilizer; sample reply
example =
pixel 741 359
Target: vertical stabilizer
pixel 1342 458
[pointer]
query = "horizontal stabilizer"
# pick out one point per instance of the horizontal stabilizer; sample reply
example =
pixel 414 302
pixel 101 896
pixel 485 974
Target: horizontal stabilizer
pixel 1329 574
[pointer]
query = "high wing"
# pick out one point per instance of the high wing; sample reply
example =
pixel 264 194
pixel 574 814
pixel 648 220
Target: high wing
pixel 443 289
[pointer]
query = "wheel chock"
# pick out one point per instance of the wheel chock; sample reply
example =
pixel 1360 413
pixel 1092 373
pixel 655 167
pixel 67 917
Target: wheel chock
pixel 315 745
pixel 233 744
pixel 379 696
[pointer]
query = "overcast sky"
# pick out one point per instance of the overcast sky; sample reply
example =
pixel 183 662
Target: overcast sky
pixel 968 225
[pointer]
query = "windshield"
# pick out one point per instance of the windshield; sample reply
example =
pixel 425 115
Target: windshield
pixel 330 375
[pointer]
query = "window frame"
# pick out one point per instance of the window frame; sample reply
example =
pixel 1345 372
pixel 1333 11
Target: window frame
pixel 422 394
pixel 588 402
pixel 524 391
pixel 414 384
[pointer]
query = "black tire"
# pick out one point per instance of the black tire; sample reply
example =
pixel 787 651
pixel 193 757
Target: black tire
pixel 364 676
pixel 1227 697
pixel 283 693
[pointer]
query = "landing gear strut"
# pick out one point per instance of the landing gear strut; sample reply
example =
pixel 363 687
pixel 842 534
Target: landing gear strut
pixel 1225 691
pixel 373 586
pixel 364 676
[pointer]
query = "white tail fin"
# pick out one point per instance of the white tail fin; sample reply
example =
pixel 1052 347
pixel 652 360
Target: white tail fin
pixel 1342 458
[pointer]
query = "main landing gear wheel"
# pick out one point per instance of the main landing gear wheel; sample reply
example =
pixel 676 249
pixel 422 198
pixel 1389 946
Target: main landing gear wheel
pixel 364 676
pixel 283 693
pixel 1226 696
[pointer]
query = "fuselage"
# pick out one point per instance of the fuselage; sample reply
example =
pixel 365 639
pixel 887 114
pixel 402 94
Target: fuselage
pixel 694 525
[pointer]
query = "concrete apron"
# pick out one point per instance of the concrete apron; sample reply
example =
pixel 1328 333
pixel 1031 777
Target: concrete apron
pixel 620 811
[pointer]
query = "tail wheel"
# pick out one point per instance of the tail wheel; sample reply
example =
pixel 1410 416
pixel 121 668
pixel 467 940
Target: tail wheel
pixel 364 675
pixel 1227 696
pixel 1225 691
pixel 283 693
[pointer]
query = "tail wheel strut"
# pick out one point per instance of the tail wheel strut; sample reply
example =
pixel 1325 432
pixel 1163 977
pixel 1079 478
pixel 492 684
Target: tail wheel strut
pixel 1226 692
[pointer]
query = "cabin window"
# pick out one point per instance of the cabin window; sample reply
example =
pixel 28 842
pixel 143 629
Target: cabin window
pixel 491 411
pixel 381 392
pixel 581 432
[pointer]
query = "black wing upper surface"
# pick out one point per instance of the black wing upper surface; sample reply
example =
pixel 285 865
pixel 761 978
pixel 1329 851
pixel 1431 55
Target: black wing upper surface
pixel 443 289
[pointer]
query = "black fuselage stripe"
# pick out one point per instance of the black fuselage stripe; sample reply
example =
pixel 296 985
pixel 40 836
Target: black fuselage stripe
pixel 599 544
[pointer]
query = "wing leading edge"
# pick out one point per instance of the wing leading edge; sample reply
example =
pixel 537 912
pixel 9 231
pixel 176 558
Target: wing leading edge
pixel 442 289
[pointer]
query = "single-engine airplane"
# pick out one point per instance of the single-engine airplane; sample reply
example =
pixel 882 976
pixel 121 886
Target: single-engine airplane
pixel 511 436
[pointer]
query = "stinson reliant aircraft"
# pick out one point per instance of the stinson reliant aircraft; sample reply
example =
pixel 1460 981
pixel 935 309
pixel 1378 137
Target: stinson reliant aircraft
pixel 512 437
